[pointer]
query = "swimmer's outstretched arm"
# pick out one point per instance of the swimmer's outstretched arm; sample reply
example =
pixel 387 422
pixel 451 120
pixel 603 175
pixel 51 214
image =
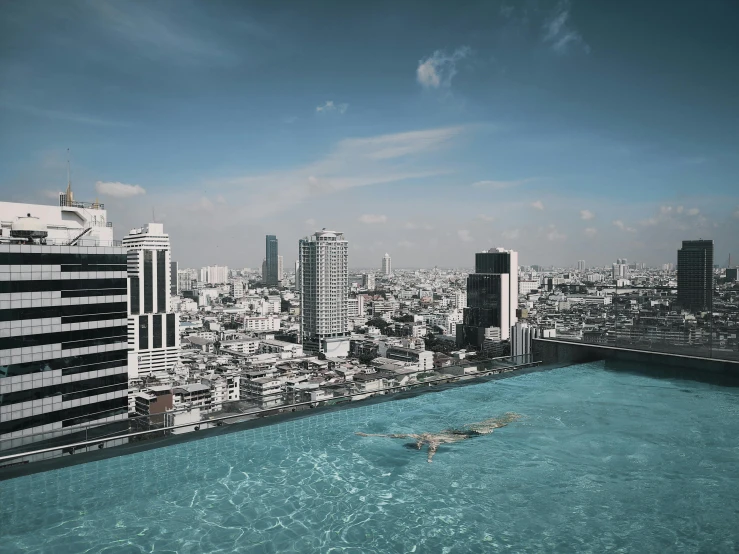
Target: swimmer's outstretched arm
pixel 387 436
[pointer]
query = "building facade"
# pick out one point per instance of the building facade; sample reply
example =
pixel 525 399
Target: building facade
pixel 271 267
pixel 492 297
pixel 153 328
pixel 387 266
pixel 324 278
pixel 63 308
pixel 695 275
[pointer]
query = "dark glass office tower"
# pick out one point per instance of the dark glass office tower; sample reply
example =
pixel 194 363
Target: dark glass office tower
pixel 695 275
pixel 271 276
pixel 492 297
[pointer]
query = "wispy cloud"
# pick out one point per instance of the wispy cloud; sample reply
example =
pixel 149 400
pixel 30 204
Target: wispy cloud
pixel 405 244
pixel 415 226
pixel 151 31
pixel 586 215
pixel 554 235
pixel 438 70
pixel 591 232
pixel 62 115
pixel 354 162
pixel 621 225
pixel 372 218
pixel 538 205
pixel 118 190
pixel 511 234
pixel 499 185
pixel 329 106
pixel 559 32
pixel 487 218
pixel 464 235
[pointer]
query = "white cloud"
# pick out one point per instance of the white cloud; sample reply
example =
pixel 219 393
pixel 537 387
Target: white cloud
pixel 559 33
pixel 511 234
pixel 464 235
pixel 539 205
pixel 693 211
pixel 488 218
pixel 621 225
pixel 499 185
pixel 586 215
pixel 373 218
pixel 415 226
pixel 591 231
pixel 665 210
pixel 118 190
pixel 330 106
pixel 437 70
pixel 736 213
pixel 680 209
pixel 554 235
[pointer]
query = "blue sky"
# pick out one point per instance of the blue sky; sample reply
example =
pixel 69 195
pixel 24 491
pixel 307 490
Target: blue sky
pixel 566 130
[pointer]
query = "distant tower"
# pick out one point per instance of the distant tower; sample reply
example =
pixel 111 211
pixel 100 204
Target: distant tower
pixel 67 198
pixel 271 256
pixel 387 268
pixel 695 275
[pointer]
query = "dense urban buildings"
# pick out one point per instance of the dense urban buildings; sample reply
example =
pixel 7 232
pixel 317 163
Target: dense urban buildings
pixel 324 279
pixel 695 275
pixel 63 309
pixel 271 277
pixel 214 274
pixel 153 328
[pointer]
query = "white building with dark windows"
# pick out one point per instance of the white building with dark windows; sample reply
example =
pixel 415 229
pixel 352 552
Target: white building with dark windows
pixel 324 278
pixel 63 309
pixel 153 328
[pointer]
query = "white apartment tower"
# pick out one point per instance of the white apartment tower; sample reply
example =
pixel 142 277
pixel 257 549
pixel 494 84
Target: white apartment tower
pixel 387 268
pixel 153 328
pixel 324 280
pixel 280 269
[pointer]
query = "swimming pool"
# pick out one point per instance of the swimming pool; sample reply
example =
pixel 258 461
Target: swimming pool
pixel 600 461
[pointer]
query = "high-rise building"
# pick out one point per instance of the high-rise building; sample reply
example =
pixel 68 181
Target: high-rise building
pixel 214 274
pixel 492 297
pixel 63 309
pixel 695 275
pixel 368 281
pixel 387 268
pixel 153 328
pixel 271 277
pixel 324 279
pixel 174 288
pixel 280 269
pixel 581 265
pixel 184 280
pixel 297 275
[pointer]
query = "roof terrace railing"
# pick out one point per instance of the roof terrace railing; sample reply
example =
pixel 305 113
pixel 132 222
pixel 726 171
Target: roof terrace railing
pixel 154 427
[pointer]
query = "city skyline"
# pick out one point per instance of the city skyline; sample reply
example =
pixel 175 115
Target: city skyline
pixel 544 128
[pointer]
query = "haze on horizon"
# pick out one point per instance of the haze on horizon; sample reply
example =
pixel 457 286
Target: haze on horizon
pixel 564 130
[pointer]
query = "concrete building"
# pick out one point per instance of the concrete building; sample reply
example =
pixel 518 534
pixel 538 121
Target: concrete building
pixel 368 281
pixel 492 297
pixel 324 271
pixel 695 275
pixel 236 289
pixel 262 323
pixel 184 281
pixel 297 275
pixel 387 268
pixel 280 269
pixel 581 265
pixel 214 274
pixel 174 286
pixel 521 335
pixel 153 327
pixel 63 310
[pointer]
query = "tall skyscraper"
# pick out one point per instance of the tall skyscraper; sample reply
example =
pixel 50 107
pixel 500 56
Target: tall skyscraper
pixel 492 297
pixel 280 269
pixel 297 275
pixel 153 328
pixel 368 281
pixel 695 275
pixel 214 274
pixel 271 276
pixel 581 265
pixel 324 279
pixel 63 309
pixel 387 268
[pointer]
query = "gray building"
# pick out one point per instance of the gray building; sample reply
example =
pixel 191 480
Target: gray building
pixel 695 275
pixel 271 264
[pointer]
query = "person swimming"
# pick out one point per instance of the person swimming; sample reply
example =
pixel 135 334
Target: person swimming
pixel 450 436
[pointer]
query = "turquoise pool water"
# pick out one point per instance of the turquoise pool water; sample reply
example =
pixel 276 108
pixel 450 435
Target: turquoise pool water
pixel 601 461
